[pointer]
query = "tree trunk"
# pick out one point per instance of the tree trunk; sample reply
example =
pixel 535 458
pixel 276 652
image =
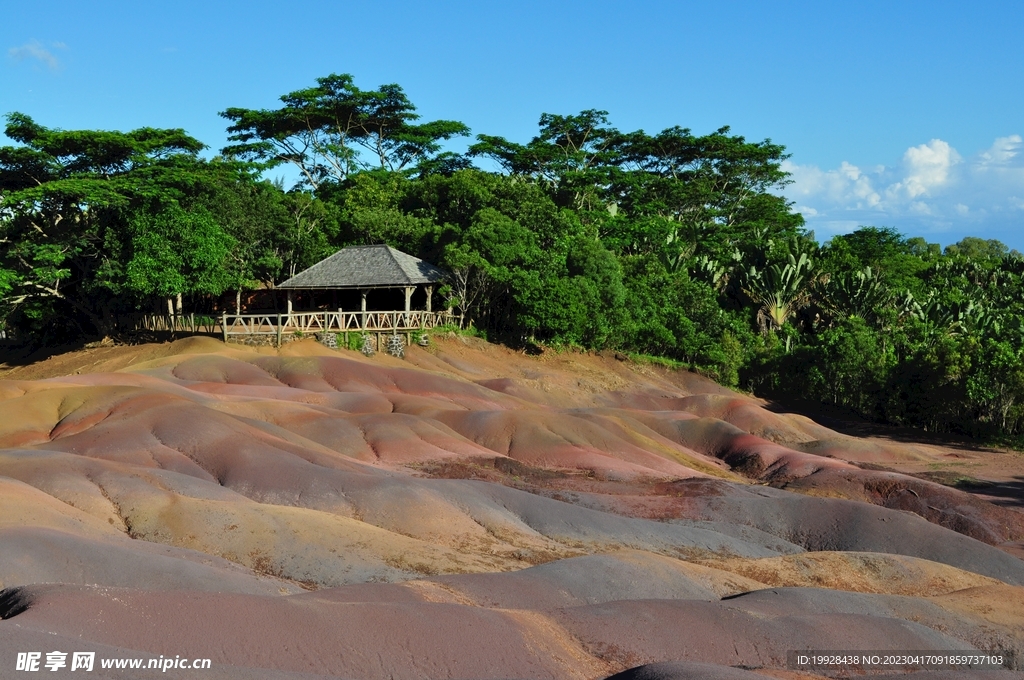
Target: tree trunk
pixel 178 304
pixel 238 301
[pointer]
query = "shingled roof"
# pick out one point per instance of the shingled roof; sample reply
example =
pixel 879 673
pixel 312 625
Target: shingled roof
pixel 366 267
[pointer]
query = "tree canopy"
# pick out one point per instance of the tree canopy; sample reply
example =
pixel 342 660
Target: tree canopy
pixel 327 131
pixel 672 244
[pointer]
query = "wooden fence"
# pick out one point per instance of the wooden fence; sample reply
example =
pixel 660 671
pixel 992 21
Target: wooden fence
pixel 331 322
pixel 336 322
pixel 176 323
pixel 296 323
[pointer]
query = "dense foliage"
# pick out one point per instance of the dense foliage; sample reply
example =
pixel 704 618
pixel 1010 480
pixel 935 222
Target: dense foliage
pixel 673 244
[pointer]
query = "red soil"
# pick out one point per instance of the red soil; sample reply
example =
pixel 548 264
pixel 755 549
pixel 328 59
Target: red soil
pixel 179 499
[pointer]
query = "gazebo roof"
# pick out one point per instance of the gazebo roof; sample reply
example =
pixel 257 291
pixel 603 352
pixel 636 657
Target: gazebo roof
pixel 366 267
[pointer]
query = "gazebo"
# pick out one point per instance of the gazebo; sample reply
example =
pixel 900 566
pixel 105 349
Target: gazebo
pixel 352 271
pixel 366 268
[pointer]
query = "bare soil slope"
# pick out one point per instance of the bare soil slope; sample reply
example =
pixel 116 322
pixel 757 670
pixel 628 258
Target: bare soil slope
pixel 474 512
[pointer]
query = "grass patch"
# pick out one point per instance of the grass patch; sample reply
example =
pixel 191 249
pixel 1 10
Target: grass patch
pixel 452 330
pixel 956 480
pixel 650 359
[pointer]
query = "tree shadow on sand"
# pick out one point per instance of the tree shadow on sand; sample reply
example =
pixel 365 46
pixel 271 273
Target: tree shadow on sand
pixel 845 421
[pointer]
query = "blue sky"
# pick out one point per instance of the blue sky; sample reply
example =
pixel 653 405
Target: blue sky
pixel 902 114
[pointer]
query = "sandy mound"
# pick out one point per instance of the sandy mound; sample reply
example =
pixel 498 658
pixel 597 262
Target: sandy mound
pixel 470 512
pixel 436 629
pixel 858 572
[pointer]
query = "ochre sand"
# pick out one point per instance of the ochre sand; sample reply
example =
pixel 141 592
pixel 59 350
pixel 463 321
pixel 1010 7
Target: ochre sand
pixel 474 512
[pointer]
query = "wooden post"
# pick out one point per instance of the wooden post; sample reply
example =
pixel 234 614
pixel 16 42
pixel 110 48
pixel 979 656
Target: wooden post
pixel 279 329
pixel 291 298
pixel 430 295
pixel 408 298
pixel 378 341
pixel 362 309
pixel 224 325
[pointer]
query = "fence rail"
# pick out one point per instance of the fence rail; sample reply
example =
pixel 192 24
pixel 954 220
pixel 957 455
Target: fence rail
pixel 328 322
pixel 183 323
pixel 273 324
pixel 331 322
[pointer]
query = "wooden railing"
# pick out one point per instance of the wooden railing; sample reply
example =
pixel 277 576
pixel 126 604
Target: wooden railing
pixel 331 322
pixel 183 323
pixel 274 324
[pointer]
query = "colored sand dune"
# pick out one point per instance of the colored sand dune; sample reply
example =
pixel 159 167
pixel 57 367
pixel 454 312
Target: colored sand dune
pixel 472 512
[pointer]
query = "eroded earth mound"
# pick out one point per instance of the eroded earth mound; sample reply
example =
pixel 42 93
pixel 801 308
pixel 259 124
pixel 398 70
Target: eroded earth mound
pixel 472 512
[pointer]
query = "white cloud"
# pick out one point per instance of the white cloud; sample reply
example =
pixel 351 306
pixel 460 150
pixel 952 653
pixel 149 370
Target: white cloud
pixel 847 184
pixel 1001 153
pixel 932 190
pixel 36 50
pixel 927 167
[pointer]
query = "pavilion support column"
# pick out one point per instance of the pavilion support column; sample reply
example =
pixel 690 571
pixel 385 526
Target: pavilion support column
pixel 408 298
pixel 343 326
pixel 288 318
pixel 430 295
pixel 362 309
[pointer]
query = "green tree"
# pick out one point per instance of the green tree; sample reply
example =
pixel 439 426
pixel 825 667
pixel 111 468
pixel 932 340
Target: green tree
pixel 850 366
pixel 372 208
pixel 995 387
pixel 711 192
pixel 255 215
pixel 67 196
pixel 779 290
pixel 860 292
pixel 177 252
pixel 311 234
pixel 329 131
pixel 572 156
pixel 974 248
pixel 896 263
pixel 495 261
